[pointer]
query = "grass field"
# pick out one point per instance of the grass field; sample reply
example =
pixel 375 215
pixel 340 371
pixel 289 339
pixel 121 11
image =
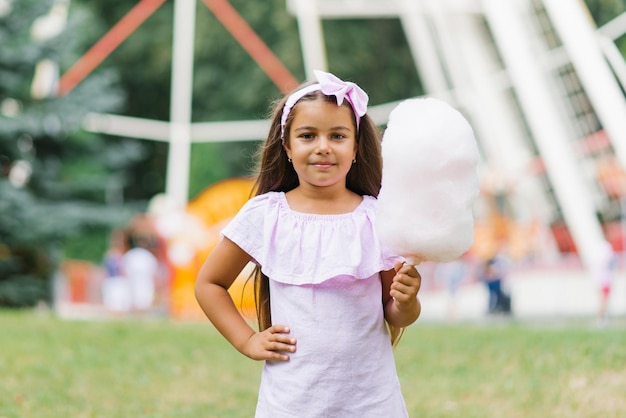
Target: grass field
pixel 160 368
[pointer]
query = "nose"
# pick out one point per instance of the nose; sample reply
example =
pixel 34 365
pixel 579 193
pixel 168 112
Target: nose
pixel 323 145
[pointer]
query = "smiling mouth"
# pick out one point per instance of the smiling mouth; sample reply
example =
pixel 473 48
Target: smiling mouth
pixel 323 164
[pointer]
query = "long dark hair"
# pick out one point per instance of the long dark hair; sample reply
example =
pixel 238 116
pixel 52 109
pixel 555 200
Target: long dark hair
pixel 275 173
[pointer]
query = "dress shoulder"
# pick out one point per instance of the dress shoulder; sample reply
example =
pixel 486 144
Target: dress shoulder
pixel 246 229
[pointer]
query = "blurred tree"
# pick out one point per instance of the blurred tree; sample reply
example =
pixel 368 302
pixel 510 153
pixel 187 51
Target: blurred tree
pixel 56 181
pixel 381 60
pixel 605 10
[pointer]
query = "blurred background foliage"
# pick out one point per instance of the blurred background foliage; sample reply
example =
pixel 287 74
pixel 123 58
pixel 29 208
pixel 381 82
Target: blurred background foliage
pixel 63 189
pixel 55 177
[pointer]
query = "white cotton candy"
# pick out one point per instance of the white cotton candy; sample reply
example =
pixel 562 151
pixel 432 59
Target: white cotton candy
pixel 430 182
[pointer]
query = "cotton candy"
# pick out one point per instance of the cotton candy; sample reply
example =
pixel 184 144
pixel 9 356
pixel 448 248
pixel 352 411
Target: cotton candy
pixel 430 182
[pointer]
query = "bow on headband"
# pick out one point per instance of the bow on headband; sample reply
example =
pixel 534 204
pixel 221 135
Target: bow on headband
pixel 330 85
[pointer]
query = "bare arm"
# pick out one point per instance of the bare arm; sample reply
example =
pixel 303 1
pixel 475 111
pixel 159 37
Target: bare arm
pixel 216 275
pixel 400 287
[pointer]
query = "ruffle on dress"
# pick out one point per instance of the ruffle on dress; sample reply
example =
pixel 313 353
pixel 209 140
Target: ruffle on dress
pixel 304 249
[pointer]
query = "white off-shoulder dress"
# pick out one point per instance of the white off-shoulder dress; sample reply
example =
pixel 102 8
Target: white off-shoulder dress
pixel 325 285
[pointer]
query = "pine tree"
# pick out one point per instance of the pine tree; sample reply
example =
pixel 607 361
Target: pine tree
pixel 56 180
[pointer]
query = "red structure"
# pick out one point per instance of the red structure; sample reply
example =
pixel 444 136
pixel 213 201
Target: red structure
pixel 225 13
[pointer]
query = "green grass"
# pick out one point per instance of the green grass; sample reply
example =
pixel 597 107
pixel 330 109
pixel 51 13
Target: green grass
pixel 160 368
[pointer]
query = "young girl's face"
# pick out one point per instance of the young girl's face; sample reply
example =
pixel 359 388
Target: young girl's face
pixel 322 142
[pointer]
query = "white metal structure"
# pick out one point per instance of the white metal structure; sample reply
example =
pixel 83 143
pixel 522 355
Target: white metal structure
pixel 177 181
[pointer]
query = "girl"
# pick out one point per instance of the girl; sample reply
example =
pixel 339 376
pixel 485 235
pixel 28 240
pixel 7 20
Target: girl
pixel 331 300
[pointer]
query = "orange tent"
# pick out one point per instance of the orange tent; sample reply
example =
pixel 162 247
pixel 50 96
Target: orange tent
pixel 205 217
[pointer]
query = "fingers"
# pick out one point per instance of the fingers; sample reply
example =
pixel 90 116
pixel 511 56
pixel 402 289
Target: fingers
pixel 403 295
pixel 405 268
pixel 406 283
pixel 274 343
pixel 408 275
pixel 280 340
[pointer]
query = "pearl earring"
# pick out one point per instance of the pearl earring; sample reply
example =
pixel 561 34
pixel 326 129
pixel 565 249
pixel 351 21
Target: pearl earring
pixel 289 159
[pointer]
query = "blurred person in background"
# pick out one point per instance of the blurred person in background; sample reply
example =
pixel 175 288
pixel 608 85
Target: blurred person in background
pixel 140 267
pixel 452 275
pixel 112 261
pixel 115 288
pixel 603 271
pixel 493 274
